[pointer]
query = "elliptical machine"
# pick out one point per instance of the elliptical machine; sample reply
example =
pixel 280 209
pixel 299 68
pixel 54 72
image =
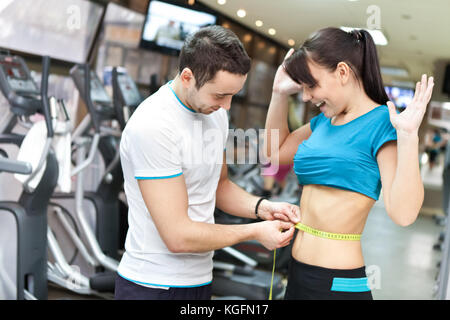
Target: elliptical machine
pixel 27 277
pixel 102 242
pixel 106 234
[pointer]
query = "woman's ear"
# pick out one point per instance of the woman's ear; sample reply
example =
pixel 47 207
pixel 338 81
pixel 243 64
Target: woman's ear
pixel 187 78
pixel 343 72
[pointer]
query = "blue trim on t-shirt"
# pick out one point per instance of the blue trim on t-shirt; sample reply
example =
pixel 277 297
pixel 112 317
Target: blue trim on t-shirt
pixel 162 177
pixel 185 106
pixel 165 285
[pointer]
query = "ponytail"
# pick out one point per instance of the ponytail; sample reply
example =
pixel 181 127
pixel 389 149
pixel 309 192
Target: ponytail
pixel 370 73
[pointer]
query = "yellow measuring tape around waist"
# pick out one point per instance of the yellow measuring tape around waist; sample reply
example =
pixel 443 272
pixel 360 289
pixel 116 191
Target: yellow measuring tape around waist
pixel 317 233
pixel 328 235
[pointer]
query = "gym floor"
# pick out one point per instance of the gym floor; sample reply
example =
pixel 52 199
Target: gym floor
pixel 402 260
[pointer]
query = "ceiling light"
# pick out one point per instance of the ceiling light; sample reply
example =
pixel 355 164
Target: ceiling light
pixel 258 23
pixel 247 38
pixel 221 2
pixel 272 31
pixel 377 35
pixel 241 13
pixel 291 42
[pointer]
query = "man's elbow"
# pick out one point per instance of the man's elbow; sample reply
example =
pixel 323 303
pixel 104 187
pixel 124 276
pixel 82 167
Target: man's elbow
pixel 175 248
pixel 176 245
pixel 178 241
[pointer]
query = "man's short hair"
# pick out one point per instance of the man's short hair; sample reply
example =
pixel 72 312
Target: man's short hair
pixel 212 49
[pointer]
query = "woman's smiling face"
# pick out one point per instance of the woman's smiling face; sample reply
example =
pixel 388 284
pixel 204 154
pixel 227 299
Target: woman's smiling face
pixel 326 94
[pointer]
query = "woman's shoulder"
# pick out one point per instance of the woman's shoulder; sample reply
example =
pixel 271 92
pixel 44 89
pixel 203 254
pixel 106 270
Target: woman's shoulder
pixel 381 111
pixel 379 114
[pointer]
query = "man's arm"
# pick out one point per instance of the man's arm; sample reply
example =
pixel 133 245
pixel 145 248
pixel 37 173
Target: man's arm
pixel 232 199
pixel 167 203
pixel 242 204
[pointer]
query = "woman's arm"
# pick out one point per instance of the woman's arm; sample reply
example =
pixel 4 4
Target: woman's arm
pixel 399 163
pixel 277 130
pixel 400 176
pixel 276 122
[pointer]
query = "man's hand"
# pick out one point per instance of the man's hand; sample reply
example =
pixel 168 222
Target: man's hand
pixel 274 234
pixel 269 210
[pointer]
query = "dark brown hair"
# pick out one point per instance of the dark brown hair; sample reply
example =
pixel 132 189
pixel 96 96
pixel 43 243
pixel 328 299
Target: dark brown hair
pixel 329 46
pixel 212 49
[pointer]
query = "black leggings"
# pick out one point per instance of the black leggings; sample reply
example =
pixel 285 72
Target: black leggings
pixel 307 282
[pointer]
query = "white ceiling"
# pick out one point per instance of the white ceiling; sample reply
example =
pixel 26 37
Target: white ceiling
pixel 417 30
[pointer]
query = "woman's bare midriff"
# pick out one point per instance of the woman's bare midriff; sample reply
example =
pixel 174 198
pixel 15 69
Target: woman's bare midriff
pixel 331 210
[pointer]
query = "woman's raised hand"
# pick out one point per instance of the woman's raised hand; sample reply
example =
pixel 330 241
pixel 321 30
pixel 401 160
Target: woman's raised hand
pixel 283 84
pixel 408 121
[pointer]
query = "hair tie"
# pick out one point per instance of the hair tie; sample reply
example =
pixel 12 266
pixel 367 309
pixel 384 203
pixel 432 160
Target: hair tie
pixel 357 34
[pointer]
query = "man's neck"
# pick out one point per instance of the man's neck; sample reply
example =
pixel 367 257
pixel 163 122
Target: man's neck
pixel 180 91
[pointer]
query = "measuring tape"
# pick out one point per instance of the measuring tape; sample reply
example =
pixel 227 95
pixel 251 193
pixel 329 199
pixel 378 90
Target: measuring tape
pixel 317 233
pixel 328 235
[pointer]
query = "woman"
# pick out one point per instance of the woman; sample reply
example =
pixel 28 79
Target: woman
pixel 343 156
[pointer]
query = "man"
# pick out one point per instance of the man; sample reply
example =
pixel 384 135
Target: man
pixel 172 154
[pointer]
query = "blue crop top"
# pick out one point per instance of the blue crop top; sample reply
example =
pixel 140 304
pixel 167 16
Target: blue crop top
pixel 344 156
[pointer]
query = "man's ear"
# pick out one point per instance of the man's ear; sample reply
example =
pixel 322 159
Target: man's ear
pixel 187 78
pixel 343 72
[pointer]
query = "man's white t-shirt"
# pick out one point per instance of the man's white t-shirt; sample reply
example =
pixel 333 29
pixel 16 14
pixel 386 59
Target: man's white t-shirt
pixel 164 139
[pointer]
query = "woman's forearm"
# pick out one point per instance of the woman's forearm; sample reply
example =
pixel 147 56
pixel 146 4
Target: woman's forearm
pixel 407 192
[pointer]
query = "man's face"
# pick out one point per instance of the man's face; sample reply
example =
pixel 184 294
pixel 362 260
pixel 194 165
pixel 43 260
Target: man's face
pixel 216 93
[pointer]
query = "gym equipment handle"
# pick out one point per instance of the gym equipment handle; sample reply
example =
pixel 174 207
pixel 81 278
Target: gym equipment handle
pixel 87 93
pixel 44 97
